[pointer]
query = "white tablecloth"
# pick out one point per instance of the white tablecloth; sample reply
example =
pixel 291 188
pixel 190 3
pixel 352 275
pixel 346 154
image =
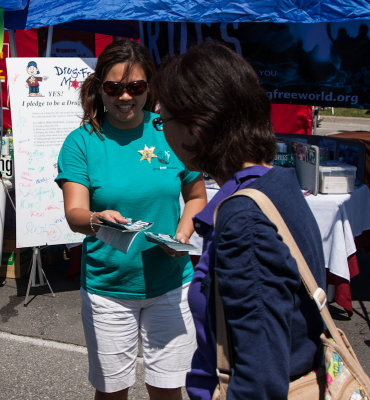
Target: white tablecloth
pixel 340 218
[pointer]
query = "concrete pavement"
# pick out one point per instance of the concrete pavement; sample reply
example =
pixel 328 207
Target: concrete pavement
pixel 42 349
pixel 334 124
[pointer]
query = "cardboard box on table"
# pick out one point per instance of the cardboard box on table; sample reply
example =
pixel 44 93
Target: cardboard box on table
pixel 337 177
pixel 15 262
pixel 313 154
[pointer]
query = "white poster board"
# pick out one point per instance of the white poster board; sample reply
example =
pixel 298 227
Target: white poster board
pixel 45 107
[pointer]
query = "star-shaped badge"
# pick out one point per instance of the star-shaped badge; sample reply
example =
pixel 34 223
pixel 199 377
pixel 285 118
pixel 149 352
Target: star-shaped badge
pixel 147 153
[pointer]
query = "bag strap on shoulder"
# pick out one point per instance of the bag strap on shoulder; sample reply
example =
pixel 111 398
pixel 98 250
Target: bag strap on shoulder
pixel 271 212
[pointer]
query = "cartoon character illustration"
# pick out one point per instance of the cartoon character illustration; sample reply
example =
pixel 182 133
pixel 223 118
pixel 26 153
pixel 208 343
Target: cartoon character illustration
pixel 33 80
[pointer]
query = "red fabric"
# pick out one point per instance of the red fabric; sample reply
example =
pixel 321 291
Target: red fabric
pixel 353 266
pixel 27 43
pixel 101 42
pixel 4 83
pixel 27 46
pixel 291 118
pixel 342 288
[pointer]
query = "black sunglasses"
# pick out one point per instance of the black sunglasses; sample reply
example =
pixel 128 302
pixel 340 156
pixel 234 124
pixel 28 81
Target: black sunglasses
pixel 158 122
pixel 135 88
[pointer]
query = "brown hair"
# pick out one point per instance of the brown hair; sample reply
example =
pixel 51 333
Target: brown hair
pixel 122 51
pixel 215 93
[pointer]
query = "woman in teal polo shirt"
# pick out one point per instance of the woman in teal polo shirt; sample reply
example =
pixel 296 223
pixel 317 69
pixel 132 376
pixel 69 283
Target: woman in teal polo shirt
pixel 117 165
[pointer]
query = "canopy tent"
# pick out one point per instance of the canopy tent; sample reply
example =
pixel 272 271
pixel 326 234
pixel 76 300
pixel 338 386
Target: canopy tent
pixel 23 14
pixel 290 30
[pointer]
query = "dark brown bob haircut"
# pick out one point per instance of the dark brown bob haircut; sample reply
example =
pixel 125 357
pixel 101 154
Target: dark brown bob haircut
pixel 121 51
pixel 215 93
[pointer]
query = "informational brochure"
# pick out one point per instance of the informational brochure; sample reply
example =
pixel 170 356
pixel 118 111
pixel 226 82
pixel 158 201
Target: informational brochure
pixel 130 225
pixel 120 236
pixel 168 241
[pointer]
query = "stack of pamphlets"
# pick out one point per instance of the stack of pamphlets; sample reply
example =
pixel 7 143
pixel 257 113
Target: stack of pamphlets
pixel 168 241
pixel 120 236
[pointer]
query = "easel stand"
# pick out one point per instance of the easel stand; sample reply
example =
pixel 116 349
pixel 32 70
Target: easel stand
pixel 36 270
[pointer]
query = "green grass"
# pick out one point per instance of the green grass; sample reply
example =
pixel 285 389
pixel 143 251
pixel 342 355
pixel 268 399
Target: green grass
pixel 347 112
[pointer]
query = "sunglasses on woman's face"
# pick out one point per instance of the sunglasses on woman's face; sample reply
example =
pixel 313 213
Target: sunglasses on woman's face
pixel 135 88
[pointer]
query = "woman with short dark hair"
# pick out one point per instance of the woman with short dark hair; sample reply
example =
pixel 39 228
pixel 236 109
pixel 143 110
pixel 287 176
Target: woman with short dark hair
pixel 225 109
pixel 216 118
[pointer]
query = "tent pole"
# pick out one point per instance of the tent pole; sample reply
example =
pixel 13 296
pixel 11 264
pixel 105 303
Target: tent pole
pixel 13 47
pixel 49 42
pixel 141 27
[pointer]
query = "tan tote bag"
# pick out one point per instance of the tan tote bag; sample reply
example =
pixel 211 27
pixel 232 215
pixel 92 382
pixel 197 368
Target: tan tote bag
pixel 342 377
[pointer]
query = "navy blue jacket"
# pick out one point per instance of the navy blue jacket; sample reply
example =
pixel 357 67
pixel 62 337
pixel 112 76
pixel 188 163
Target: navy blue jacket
pixel 274 326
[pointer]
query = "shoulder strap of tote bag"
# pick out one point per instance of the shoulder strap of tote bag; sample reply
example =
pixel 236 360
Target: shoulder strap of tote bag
pixel 316 293
pixel 223 350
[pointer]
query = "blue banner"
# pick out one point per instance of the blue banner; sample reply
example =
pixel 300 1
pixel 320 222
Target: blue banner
pixel 324 64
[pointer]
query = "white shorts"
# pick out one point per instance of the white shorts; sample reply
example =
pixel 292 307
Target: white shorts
pixel 112 327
